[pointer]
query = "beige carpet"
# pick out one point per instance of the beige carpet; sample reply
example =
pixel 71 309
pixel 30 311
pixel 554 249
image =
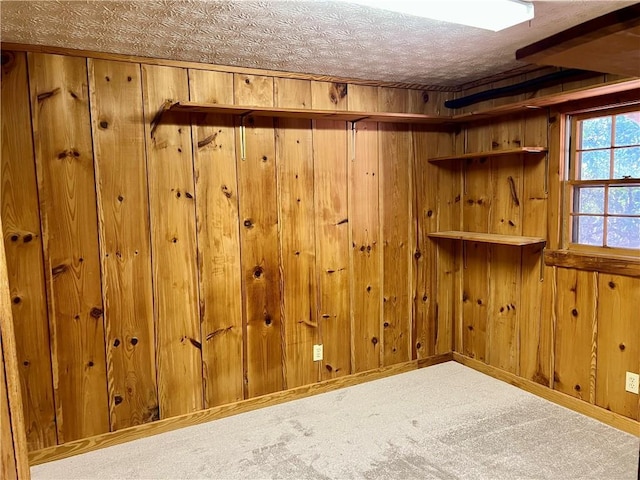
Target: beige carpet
pixel 441 422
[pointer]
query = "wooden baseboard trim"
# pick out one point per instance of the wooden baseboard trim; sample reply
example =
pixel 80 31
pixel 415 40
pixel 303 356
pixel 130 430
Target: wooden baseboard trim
pixel 603 415
pixel 148 429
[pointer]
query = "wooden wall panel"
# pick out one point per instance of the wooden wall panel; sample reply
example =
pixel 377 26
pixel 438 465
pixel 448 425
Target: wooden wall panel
pixel 290 93
pixel 447 262
pixel 363 99
pixel 64 157
pixel 254 90
pixel 23 243
pixel 535 345
pixel 396 212
pixel 260 261
pixel 618 346
pixel 8 466
pixel 575 332
pixel 332 245
pixel 426 145
pixel 173 244
pixel 294 161
pixel 329 95
pixel 216 182
pixel 366 247
pixel 296 209
pixel 505 217
pixel 14 462
pixel 123 209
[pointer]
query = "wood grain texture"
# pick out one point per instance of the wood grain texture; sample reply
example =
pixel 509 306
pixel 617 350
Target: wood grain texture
pixel 426 144
pixel 290 93
pixel 362 99
pixel 366 247
pixel 259 259
pixel 575 331
pixel 297 243
pixel 329 95
pixel 615 265
pixel 396 212
pixel 216 182
pixel 23 243
pixel 8 466
pixel 618 346
pixel 331 180
pixel 123 210
pixel 173 244
pixel 14 462
pixel 66 184
pixel 535 348
pixel 505 217
pixel 449 181
pixel 392 99
pixel 255 90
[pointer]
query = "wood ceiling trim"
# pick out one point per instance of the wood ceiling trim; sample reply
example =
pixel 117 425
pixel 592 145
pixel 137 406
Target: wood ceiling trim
pixel 19 47
pixel 611 27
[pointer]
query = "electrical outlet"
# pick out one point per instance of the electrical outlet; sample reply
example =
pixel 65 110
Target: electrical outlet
pixel 317 354
pixel 633 379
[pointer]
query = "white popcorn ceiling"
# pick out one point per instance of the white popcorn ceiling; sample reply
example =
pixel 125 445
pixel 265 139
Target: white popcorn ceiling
pixel 317 37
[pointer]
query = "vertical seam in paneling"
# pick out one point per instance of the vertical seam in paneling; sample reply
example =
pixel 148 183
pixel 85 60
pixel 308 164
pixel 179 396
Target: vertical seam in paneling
pixel 48 298
pixel 203 400
pixel 143 92
pixel 243 281
pixel 314 272
pixel 381 237
pixel 412 247
pixel 100 237
pixel 283 348
pixel 594 339
pixel 351 158
pixel 277 165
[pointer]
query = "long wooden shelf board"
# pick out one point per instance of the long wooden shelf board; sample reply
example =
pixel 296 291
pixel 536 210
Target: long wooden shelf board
pixel 514 240
pixel 492 153
pixel 387 117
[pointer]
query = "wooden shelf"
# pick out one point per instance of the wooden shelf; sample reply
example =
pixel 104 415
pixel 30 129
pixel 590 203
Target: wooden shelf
pixel 492 153
pixel 416 118
pixel 514 240
pixel 442 121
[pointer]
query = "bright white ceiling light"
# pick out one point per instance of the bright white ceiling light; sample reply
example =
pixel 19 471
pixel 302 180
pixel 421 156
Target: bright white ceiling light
pixel 493 15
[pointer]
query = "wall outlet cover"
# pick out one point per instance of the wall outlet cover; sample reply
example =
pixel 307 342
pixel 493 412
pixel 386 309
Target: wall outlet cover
pixel 317 353
pixel 631 385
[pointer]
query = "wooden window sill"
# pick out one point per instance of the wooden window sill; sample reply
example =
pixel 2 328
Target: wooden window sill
pixel 613 264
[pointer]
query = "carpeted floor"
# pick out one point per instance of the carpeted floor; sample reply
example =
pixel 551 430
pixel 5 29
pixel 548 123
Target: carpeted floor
pixel 440 422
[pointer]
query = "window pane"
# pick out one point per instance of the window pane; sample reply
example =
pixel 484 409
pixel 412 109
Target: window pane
pixel 594 165
pixel 589 230
pixel 589 200
pixel 624 200
pixel 623 232
pixel 628 129
pixel 596 133
pixel 626 162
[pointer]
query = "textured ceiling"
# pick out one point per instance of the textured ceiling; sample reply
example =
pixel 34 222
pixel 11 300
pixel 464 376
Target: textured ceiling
pixel 319 37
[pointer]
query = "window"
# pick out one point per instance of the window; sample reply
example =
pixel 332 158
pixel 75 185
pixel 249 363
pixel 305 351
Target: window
pixel 603 188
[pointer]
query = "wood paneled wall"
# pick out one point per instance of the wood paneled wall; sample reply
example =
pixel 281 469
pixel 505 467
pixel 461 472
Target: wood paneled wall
pixel 164 264
pixel 571 330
